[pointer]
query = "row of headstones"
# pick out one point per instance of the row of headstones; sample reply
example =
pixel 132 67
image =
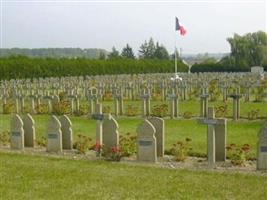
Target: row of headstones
pixel 150 140
pixel 35 102
pixel 124 86
pixel 59 133
pixel 146 108
pixel 119 92
pixel 89 80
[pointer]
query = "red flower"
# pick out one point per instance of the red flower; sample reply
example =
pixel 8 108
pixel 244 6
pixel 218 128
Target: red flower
pixel 115 149
pixel 98 146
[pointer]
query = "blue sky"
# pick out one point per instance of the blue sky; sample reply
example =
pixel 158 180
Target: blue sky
pixel 94 24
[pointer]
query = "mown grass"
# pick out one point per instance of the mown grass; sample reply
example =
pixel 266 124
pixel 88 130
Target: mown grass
pixel 35 177
pixel 239 132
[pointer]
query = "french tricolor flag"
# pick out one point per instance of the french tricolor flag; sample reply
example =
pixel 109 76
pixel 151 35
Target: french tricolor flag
pixel 179 27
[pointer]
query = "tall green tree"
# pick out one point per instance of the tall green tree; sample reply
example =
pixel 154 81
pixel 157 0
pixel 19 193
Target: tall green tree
pixel 161 52
pixel 248 50
pixel 143 50
pixel 127 52
pixel 115 54
pixel 147 49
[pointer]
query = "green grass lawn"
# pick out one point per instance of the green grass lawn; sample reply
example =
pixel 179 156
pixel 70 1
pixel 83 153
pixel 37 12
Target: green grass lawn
pixel 36 177
pixel 239 132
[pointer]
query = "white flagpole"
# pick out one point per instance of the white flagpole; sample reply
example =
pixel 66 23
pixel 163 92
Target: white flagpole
pixel 175 58
pixel 175 62
pixel 175 51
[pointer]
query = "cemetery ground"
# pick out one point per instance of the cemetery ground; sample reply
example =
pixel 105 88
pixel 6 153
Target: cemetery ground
pixel 73 175
pixel 39 177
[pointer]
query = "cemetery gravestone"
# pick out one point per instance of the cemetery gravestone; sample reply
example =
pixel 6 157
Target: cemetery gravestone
pixel 99 117
pixel 55 101
pixel 204 103
pixel 92 98
pixel 159 126
pixel 236 103
pixel 29 130
pixel 54 135
pixel 173 104
pixel 110 133
pixel 32 99
pixel 216 137
pixel 146 142
pixel 262 149
pixel 118 101
pixel 145 102
pixel 66 132
pixel 17 133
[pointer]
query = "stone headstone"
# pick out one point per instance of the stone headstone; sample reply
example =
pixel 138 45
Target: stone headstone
pixel 54 135
pixel 66 132
pixel 211 138
pixel 159 125
pixel 99 117
pixel 29 130
pixel 216 137
pixel 110 133
pixel 146 142
pixel 17 133
pixel 220 139
pixel 236 103
pixel 262 148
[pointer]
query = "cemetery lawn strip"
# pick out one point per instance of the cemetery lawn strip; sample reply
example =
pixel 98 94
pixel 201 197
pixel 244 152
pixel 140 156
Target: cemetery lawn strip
pixel 36 177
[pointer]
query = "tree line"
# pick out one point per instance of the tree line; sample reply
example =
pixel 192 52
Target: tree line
pixel 148 50
pixel 246 51
pixel 54 52
pixel 17 67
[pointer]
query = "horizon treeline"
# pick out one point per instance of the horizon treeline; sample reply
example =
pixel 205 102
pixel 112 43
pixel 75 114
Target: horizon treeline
pixel 20 67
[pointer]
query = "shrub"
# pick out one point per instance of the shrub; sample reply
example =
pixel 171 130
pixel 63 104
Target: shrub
pixel 181 149
pixel 160 110
pixel 113 154
pixel 106 109
pixel 62 96
pixel 83 144
pixel 238 155
pixel 83 110
pixel 108 95
pixel 42 142
pixel 9 107
pixel 221 111
pixel 193 95
pixel 253 114
pixel 62 108
pixel 131 110
pixel 259 94
pixel 128 145
pixel 4 138
pixel 42 109
pixel 188 115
